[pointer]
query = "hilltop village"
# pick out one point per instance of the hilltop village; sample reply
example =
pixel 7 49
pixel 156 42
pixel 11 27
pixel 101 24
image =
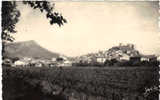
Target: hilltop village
pixel 121 55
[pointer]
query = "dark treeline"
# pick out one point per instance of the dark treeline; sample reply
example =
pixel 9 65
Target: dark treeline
pixel 116 63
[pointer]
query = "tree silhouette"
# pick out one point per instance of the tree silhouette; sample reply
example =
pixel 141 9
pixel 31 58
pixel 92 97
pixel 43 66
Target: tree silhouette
pixel 10 16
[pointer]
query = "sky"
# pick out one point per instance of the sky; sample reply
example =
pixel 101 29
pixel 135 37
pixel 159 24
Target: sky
pixel 93 26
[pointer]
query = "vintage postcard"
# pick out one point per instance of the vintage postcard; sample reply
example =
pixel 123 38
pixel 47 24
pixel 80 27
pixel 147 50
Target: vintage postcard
pixel 80 50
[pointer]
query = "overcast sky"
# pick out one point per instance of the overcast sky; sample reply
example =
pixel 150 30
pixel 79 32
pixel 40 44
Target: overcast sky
pixel 93 26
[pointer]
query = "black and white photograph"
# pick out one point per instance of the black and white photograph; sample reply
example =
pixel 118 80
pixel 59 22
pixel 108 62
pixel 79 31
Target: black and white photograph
pixel 80 50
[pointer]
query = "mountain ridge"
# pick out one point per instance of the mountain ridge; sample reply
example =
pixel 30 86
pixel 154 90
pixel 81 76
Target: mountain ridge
pixel 28 49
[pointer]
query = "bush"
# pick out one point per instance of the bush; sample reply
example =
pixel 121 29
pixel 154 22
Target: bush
pixel 90 81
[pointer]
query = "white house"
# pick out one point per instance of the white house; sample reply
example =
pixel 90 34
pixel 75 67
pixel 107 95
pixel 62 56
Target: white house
pixel 125 57
pixel 67 63
pixel 158 58
pixel 38 65
pixel 101 59
pixel 144 59
pixel 27 59
pixel 53 59
pixel 149 58
pixel 20 63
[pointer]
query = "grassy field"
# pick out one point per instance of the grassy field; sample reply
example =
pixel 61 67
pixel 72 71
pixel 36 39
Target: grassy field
pixel 78 83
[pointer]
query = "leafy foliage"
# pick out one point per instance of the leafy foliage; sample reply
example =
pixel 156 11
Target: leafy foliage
pixel 10 16
pixel 55 17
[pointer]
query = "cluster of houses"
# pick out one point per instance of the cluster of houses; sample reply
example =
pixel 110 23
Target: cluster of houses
pixel 101 60
pixel 31 62
pixel 121 53
pixel 64 62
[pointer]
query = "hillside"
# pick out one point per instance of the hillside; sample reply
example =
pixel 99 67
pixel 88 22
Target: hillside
pixel 115 52
pixel 121 51
pixel 28 49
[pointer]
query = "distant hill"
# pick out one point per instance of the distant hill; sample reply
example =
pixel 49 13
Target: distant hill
pixel 122 50
pixel 28 49
pixel 114 53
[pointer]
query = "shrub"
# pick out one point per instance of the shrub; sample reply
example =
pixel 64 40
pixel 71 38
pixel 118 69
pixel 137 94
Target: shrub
pixel 89 81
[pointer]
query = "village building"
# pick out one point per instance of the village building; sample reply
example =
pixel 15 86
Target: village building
pixel 52 64
pixel 32 62
pixel 158 58
pixel 89 60
pixel 67 63
pixel 20 63
pixel 27 59
pixel 38 65
pixel 83 59
pixel 144 59
pixel 135 59
pixel 53 59
pixel 150 58
pixel 153 58
pixel 7 62
pixel 124 57
pixel 100 59
pixel 62 62
pixel 63 57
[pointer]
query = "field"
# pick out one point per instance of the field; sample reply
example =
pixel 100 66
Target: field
pixel 78 83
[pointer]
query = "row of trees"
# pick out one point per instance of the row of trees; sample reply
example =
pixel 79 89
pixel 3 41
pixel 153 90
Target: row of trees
pixel 114 62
